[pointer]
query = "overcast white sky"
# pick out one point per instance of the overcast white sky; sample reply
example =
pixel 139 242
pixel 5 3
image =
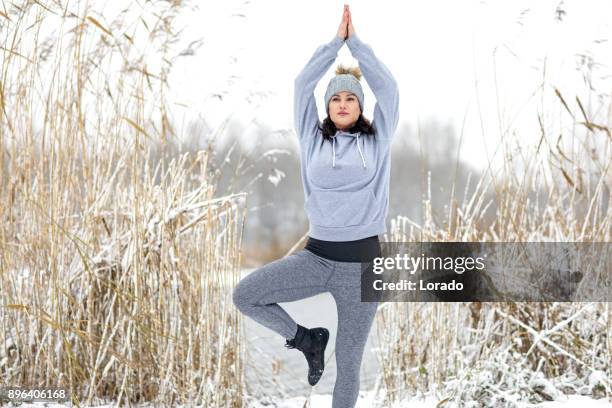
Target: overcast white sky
pixel 452 59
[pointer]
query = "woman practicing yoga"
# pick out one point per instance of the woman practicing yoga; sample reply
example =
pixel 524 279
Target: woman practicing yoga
pixel 345 173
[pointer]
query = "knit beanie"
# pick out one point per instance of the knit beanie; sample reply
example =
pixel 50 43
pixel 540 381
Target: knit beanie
pixel 346 79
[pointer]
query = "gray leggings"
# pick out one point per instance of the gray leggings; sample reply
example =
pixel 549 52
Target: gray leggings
pixel 301 275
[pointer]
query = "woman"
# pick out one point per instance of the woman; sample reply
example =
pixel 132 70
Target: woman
pixel 345 172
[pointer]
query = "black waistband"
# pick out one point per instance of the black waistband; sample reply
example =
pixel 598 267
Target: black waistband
pixel 361 250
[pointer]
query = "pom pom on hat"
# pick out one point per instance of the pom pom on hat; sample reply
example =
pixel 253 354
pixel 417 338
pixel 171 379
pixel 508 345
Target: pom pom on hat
pixel 354 71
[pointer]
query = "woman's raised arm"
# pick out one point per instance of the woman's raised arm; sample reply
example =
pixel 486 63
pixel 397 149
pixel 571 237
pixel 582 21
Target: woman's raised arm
pixel 381 82
pixel 306 117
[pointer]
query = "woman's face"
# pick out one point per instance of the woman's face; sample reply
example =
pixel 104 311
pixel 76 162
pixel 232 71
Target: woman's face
pixel 344 110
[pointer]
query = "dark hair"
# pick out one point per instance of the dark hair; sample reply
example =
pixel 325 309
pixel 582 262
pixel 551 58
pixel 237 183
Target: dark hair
pixel 328 128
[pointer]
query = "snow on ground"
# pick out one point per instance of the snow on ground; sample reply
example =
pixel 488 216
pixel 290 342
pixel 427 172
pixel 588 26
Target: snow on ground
pixel 576 401
pixel 366 398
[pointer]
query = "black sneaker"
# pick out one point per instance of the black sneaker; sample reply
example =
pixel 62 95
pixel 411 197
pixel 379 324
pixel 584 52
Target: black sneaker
pixel 312 343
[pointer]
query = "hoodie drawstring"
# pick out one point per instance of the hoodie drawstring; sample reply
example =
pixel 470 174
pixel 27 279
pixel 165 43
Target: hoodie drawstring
pixel 334 151
pixel 361 154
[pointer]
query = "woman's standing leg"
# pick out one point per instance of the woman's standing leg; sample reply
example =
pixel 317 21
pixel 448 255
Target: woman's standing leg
pixel 355 320
pixel 291 278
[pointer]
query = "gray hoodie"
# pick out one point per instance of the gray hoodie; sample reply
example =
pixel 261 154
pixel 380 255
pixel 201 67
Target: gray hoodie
pixel 346 181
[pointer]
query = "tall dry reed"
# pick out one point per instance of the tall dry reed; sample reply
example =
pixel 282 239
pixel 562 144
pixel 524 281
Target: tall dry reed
pixel 115 261
pixel 493 354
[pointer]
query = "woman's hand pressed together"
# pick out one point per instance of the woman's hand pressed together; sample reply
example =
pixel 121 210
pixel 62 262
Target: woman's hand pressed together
pixel 350 28
pixel 343 28
pixel 346 28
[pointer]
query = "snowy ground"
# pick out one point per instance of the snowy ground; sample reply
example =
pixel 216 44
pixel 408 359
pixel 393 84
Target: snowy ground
pixel 365 401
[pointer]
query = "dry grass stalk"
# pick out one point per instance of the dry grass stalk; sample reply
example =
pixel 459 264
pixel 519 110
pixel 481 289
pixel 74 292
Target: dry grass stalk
pixel 115 263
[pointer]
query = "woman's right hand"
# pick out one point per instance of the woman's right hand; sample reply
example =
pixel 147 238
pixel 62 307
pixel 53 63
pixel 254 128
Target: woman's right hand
pixel 343 28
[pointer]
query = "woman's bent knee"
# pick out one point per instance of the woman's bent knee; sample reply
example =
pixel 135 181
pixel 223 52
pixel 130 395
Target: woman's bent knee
pixel 240 296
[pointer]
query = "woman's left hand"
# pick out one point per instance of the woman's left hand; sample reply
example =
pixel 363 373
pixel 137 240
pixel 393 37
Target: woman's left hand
pixel 351 29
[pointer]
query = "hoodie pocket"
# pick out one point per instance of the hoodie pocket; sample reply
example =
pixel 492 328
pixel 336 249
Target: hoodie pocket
pixel 341 208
